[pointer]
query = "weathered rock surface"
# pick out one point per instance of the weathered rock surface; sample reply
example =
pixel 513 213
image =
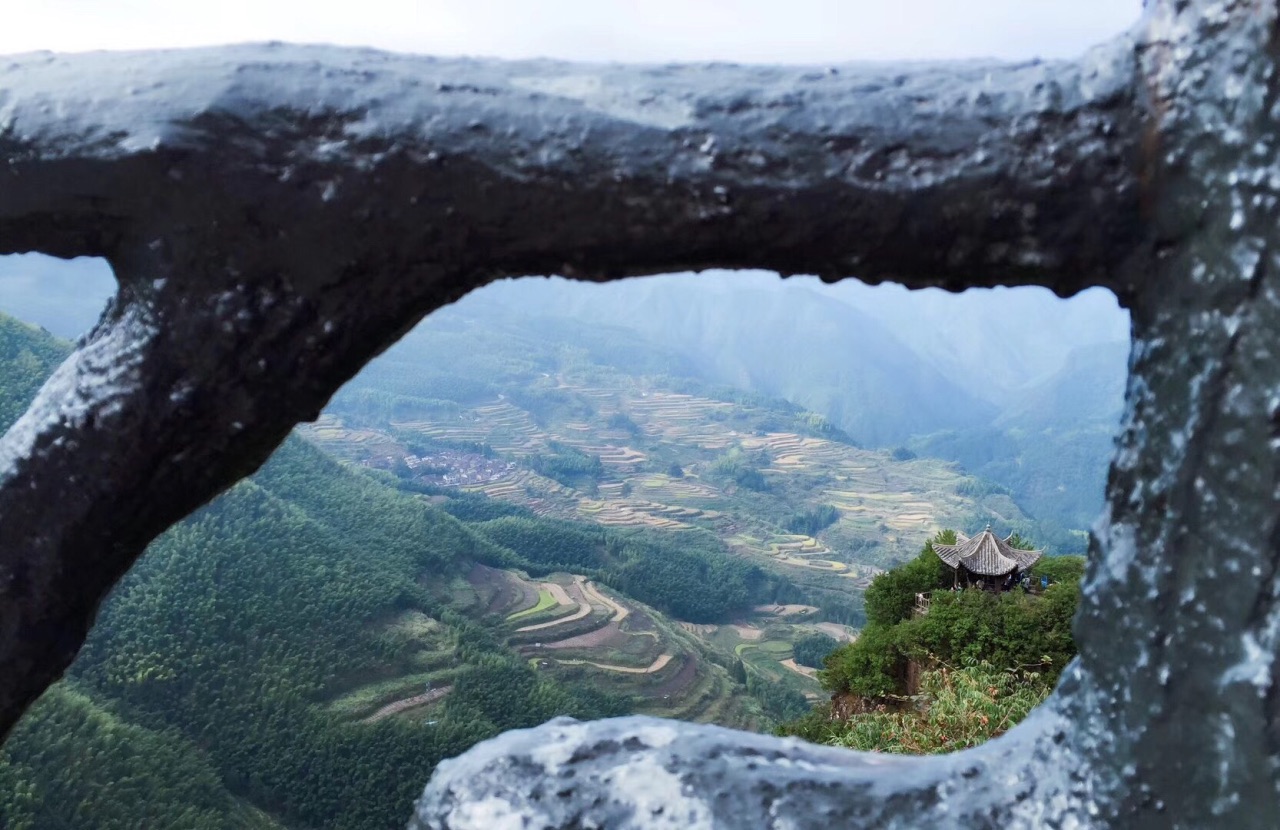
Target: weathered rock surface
pixel 278 215
pixel 650 773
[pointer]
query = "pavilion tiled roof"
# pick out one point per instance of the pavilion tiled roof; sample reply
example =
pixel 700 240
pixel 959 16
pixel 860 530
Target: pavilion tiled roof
pixel 986 555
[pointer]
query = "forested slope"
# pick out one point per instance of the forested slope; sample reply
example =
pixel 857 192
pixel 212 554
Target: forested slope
pixel 232 631
pixel 216 689
pixel 27 356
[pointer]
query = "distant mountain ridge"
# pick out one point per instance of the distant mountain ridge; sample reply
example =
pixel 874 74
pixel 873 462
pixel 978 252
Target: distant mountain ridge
pixel 822 355
pixel 1050 446
pixel 1089 388
pixel 1018 386
pixel 998 343
pixel 965 377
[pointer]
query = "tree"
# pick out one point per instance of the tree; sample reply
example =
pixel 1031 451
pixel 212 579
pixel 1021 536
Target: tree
pixel 892 595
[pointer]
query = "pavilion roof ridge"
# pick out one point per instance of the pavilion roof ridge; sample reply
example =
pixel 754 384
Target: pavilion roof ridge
pixel 986 554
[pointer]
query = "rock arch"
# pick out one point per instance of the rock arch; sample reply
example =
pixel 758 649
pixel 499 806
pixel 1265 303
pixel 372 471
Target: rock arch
pixel 278 215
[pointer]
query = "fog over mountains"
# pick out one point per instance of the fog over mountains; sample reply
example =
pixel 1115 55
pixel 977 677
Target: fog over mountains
pixel 1017 385
pixel 882 362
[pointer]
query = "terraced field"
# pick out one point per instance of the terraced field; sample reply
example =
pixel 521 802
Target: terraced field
pixel 614 644
pixel 672 462
pixel 887 508
pixel 573 628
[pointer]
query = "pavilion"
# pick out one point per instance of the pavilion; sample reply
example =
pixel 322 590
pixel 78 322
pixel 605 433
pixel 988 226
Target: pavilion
pixel 986 560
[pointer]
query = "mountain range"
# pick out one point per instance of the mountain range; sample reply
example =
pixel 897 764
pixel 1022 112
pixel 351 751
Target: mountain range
pixel 1017 385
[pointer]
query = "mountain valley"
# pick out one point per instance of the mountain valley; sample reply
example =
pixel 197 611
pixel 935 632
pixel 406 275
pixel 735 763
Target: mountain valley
pixel 515 513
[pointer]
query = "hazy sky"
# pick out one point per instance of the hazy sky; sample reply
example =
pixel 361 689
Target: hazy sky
pixel 628 30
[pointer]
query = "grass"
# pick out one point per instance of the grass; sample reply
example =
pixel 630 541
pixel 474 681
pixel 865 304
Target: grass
pixel 545 601
pixel 415 625
pixel 366 699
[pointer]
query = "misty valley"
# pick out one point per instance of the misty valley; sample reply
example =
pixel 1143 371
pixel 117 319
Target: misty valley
pixel 731 499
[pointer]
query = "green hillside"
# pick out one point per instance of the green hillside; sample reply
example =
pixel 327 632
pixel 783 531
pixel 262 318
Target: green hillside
pixel 27 356
pixel 514 517
pixel 601 426
pixel 302 651
pixel 238 627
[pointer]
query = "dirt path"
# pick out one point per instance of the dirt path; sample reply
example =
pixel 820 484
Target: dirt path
pixel 408 703
pixel 799 669
pixel 663 659
pixel 787 610
pixel 836 631
pixel 558 592
pixel 609 634
pixel 619 612
pixel 584 609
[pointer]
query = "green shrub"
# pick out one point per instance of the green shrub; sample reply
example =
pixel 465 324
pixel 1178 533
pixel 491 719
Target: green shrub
pixel 957 708
pixel 813 649
pixel 892 595
pixel 1011 630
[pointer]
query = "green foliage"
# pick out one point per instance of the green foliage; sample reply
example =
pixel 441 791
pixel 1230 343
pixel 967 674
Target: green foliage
pixel 476 507
pixel 506 694
pixel 892 594
pixel 71 763
pixel 543 546
pixel 1059 568
pixel 694 579
pixel 979 487
pixel 873 666
pixel 812 522
pixel 1012 630
pixel 232 632
pixel 694 583
pixel 568 465
pixel 622 421
pixel 741 468
pixel 956 708
pixel 27 356
pixel 781 702
pixel 813 649
pixel 1009 630
pixel 547 404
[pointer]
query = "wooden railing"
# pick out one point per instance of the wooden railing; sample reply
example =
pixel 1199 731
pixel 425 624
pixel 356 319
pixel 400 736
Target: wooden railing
pixel 922 604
